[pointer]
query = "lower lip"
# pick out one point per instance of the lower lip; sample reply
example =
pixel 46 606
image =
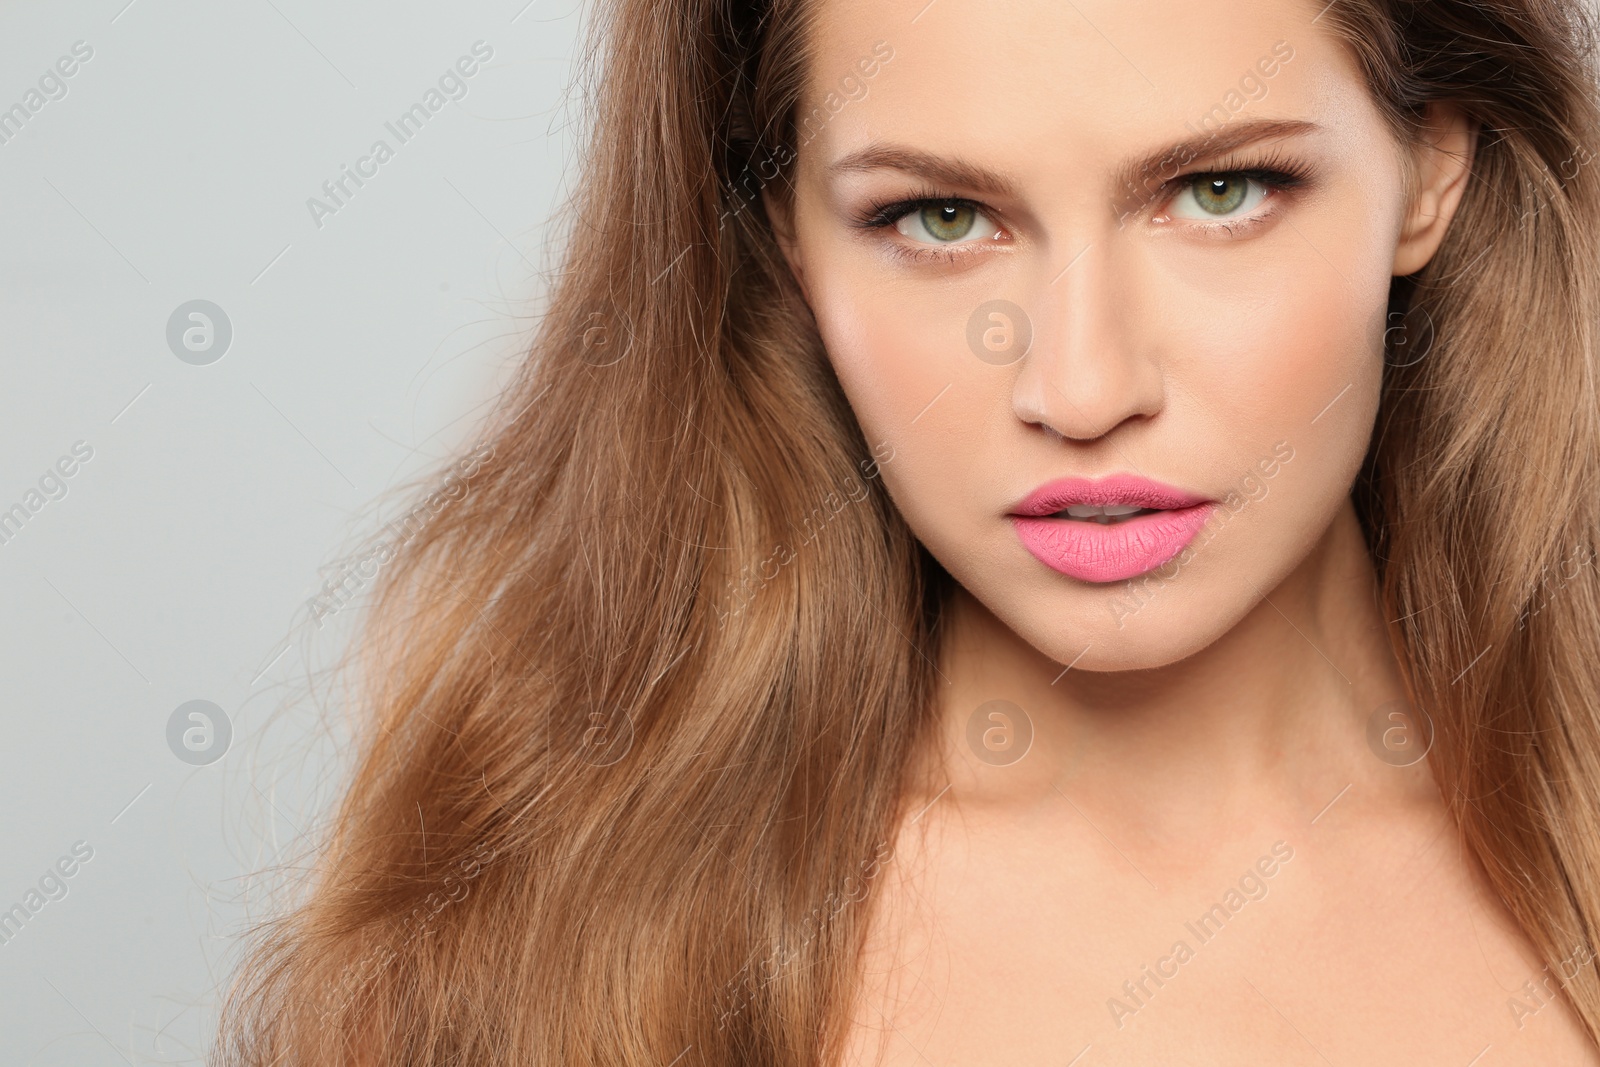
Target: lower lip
pixel 1110 552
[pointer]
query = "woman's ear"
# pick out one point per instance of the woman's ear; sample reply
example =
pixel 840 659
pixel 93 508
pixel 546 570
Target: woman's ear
pixel 780 212
pixel 1441 162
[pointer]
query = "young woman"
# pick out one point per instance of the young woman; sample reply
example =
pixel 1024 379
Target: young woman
pixel 1031 532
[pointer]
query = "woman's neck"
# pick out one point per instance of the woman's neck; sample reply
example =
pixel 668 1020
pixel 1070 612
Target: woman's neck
pixel 1272 716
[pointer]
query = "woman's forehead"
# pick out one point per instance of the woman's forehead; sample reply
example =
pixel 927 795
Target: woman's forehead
pixel 1084 70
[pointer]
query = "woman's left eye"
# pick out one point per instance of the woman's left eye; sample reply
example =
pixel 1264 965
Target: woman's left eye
pixel 945 222
pixel 1218 196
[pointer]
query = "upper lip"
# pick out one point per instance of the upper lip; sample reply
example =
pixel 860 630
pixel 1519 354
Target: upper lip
pixel 1126 489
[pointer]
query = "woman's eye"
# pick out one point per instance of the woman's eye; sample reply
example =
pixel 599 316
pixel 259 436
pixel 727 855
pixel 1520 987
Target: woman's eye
pixel 945 222
pixel 1215 196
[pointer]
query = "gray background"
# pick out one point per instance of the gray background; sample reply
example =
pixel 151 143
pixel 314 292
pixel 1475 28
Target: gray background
pixel 179 564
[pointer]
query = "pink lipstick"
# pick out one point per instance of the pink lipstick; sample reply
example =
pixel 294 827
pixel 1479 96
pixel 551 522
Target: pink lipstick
pixel 1108 529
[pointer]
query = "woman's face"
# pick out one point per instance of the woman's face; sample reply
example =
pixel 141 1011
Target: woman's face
pixel 1125 257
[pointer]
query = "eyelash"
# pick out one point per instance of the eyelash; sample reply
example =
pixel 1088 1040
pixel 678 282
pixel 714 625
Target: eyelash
pixel 883 214
pixel 1278 173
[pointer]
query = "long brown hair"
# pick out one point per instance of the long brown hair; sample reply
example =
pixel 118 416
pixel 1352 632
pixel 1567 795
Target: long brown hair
pixel 640 704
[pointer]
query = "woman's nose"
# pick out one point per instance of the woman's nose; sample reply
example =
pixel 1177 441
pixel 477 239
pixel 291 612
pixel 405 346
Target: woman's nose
pixel 1091 363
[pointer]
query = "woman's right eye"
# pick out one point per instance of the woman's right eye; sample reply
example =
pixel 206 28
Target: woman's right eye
pixel 945 222
pixel 1219 196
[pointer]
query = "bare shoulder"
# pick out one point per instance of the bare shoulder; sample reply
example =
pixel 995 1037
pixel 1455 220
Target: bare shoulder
pixel 1025 937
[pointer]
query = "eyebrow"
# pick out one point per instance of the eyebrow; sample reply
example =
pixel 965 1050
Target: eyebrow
pixel 936 169
pixel 1208 146
pixel 954 171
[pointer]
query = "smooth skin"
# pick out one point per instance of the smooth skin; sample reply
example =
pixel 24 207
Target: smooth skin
pixel 1178 734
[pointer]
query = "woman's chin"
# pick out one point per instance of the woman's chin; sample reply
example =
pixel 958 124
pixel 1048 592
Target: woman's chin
pixel 1107 629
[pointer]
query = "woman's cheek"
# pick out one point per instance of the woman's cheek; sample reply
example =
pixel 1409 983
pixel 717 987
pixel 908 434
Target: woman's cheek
pixel 1320 372
pixel 1301 401
pixel 910 381
pixel 892 351
pixel 1291 355
pixel 1320 362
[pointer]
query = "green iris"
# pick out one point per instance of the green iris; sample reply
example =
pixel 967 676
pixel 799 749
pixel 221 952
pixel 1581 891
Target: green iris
pixel 1220 193
pixel 949 221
